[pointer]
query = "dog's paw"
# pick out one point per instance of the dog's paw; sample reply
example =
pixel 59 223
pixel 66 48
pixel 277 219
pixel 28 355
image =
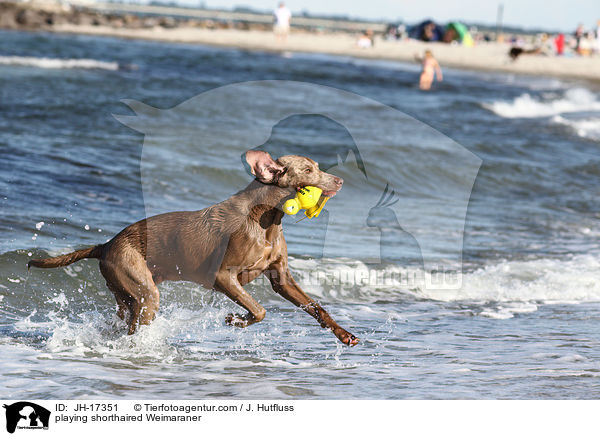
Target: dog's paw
pixel 352 340
pixel 347 338
pixel 236 320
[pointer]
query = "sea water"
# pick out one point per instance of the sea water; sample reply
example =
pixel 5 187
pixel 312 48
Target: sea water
pixel 524 322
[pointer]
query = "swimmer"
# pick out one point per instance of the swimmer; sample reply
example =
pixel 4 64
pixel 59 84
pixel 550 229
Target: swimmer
pixel 430 67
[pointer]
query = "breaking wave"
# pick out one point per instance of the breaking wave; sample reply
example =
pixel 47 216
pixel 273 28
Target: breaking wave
pixel 540 281
pixel 54 63
pixel 586 127
pixel 572 279
pixel 526 106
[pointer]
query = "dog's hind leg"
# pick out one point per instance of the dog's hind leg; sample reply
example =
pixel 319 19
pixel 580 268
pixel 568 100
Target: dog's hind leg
pixel 123 308
pixel 131 283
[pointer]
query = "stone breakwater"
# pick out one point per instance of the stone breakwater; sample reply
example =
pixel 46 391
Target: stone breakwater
pixel 34 16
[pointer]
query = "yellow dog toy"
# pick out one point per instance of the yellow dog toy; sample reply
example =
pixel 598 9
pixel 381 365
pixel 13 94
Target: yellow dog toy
pixel 308 198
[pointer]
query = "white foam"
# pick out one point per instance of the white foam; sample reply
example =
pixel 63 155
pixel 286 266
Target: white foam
pixel 541 280
pixel 572 358
pixel 508 311
pixel 60 299
pixel 528 282
pixel 586 128
pixel 104 336
pixel 53 63
pixel 526 106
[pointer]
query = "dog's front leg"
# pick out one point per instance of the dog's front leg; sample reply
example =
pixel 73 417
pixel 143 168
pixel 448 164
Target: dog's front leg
pixel 284 284
pixel 227 283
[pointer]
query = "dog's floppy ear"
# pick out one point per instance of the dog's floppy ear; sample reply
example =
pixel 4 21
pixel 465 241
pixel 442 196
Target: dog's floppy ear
pixel 263 166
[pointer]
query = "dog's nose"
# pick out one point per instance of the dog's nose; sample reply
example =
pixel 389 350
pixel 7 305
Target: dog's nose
pixel 338 181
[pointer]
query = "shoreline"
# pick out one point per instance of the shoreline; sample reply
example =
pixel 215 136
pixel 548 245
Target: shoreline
pixel 254 33
pixel 489 57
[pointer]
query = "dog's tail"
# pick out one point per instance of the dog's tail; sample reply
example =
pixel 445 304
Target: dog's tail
pixel 67 259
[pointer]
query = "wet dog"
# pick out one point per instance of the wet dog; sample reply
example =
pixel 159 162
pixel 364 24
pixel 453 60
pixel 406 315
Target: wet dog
pixel 222 247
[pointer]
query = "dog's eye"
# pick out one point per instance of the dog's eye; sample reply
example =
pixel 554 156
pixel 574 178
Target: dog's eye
pixel 308 170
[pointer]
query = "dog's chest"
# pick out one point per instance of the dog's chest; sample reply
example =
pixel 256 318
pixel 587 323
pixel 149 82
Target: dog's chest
pixel 264 251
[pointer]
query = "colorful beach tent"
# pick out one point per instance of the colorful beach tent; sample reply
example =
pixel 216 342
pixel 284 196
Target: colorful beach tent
pixel 428 30
pixel 458 31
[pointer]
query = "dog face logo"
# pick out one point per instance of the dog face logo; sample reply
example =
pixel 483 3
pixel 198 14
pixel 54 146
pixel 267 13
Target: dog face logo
pixel 25 415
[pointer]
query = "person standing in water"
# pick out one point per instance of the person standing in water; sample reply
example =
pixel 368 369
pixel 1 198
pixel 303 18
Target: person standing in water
pixel 283 17
pixel 431 67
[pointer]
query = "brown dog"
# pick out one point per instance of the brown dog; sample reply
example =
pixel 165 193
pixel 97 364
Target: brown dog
pixel 222 247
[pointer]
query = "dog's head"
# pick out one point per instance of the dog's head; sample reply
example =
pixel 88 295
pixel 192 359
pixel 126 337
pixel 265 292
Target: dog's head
pixel 292 172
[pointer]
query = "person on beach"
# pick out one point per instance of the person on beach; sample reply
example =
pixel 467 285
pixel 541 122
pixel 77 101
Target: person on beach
pixel 283 17
pixel 431 67
pixel 586 44
pixel 365 40
pixel 559 43
pixel 597 35
pixel 578 36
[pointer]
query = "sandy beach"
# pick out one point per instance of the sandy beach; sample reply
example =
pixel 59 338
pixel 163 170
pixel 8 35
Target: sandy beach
pixel 253 32
pixel 484 56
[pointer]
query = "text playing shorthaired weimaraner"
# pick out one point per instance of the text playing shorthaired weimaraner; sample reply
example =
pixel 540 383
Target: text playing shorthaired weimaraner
pixel 222 247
